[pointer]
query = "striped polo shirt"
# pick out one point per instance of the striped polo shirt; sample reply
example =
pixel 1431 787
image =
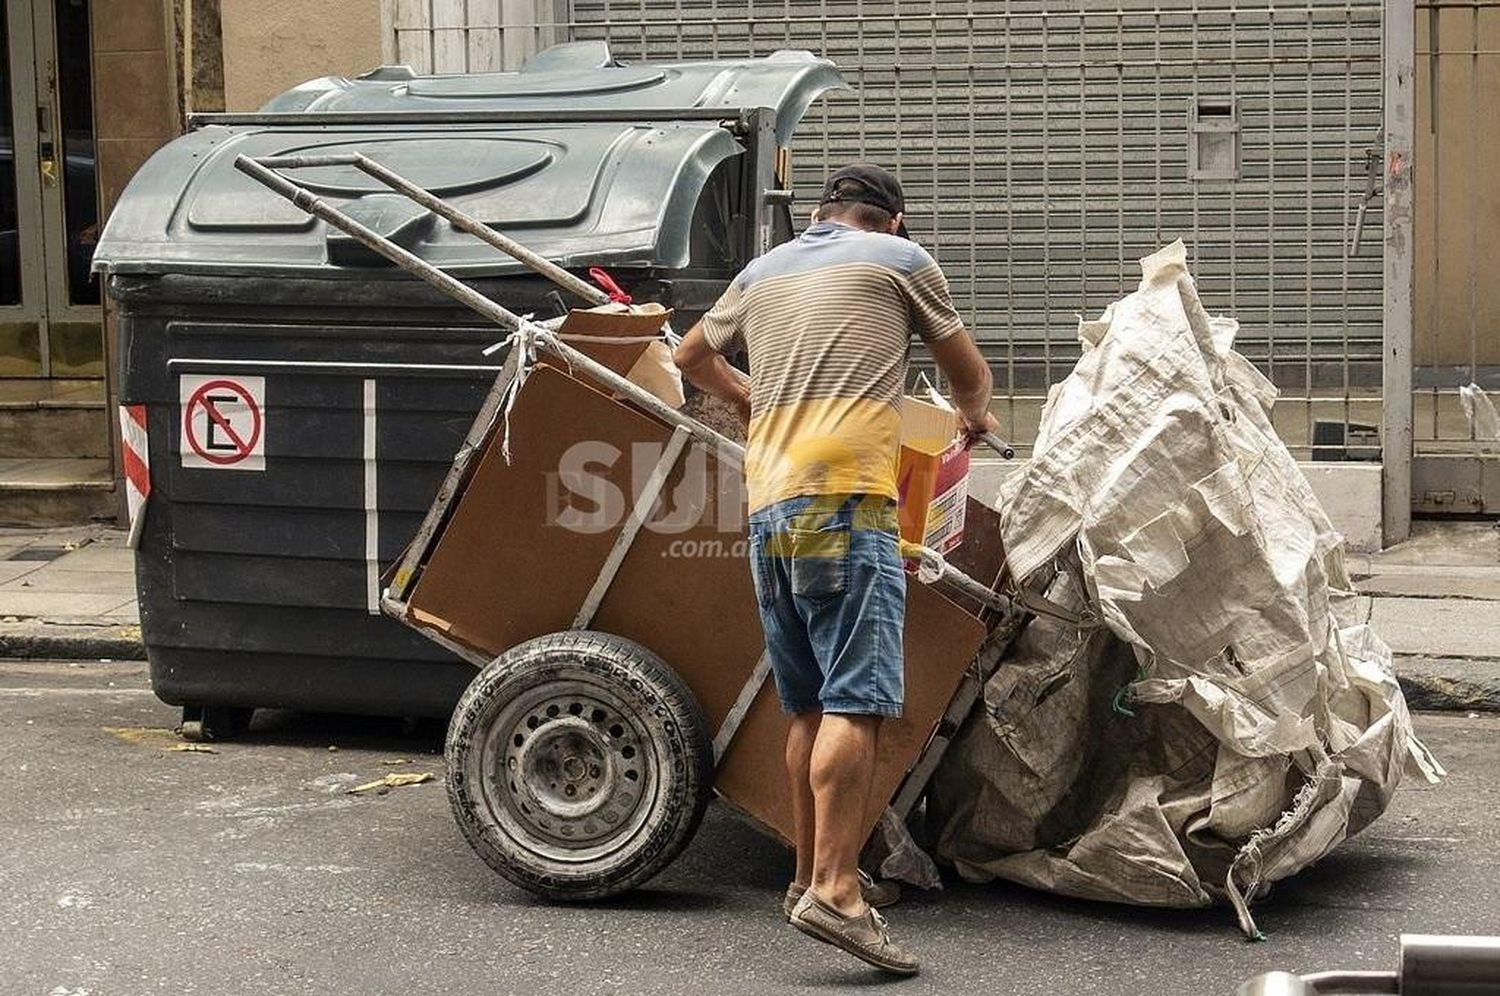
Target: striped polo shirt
pixel 827 321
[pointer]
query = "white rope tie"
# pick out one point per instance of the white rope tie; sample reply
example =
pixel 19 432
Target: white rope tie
pixel 525 338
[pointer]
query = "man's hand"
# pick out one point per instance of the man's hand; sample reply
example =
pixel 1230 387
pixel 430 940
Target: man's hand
pixel 974 428
pixel 706 370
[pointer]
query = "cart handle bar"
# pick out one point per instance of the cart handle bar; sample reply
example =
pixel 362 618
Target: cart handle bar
pixel 1000 446
pixel 425 198
pixel 933 566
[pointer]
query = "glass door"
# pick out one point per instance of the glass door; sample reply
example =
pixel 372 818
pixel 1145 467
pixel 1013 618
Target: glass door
pixel 50 320
pixel 70 209
pixel 22 279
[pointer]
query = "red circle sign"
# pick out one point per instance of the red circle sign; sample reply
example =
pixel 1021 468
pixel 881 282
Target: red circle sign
pixel 243 446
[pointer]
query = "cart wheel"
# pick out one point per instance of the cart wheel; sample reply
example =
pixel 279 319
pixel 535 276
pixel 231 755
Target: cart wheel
pixel 215 722
pixel 579 765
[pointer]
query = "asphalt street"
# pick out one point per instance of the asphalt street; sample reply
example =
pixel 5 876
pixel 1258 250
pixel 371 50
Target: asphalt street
pixel 131 868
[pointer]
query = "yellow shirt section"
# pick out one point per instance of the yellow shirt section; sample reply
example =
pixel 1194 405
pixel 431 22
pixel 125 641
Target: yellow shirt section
pixel 822 446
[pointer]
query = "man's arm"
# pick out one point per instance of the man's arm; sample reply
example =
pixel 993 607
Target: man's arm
pixel 937 323
pixel 959 359
pixel 707 370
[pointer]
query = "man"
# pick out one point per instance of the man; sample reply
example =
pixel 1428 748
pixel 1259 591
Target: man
pixel 826 320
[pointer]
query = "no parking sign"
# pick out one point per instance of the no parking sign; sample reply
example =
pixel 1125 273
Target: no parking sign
pixel 223 422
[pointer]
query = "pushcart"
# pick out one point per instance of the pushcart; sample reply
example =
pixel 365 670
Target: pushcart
pixel 585 553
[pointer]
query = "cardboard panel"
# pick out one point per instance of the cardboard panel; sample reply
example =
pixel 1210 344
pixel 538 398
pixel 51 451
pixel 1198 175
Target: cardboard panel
pixel 609 323
pixel 688 596
pixel 981 555
pixel 506 570
pixel 941 640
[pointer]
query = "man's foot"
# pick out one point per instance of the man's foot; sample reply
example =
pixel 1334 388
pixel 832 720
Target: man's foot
pixel 877 894
pixel 865 935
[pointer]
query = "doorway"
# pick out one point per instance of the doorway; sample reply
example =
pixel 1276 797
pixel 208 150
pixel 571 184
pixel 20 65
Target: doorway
pixel 51 325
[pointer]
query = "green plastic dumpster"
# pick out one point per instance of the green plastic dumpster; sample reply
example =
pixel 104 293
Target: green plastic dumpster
pixel 300 400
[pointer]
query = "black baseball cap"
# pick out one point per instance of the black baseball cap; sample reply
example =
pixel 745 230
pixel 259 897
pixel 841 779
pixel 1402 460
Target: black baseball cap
pixel 871 185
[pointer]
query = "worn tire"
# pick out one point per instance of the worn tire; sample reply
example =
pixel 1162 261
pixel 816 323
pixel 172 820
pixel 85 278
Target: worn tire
pixel 578 765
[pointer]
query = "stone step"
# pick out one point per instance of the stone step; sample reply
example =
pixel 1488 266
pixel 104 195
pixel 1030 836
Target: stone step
pixel 74 433
pixel 56 492
pixel 53 418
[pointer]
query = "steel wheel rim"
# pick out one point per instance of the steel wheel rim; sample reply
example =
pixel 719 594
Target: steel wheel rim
pixel 569 770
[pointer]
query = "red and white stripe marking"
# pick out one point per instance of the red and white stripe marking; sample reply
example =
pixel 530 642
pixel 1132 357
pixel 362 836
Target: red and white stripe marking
pixel 136 456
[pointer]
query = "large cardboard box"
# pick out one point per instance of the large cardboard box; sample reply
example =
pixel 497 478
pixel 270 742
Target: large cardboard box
pixel 627 339
pixel 932 475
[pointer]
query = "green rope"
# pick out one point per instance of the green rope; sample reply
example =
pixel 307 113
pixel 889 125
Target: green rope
pixel 1123 694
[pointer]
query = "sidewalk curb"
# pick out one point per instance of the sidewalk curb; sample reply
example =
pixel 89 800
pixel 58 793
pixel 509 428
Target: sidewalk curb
pixel 1450 684
pixel 1440 684
pixel 53 641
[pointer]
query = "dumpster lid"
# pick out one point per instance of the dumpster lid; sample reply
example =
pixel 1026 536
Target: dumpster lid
pixel 578 77
pixel 535 154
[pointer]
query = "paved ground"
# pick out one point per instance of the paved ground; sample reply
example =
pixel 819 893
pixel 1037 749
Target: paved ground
pixel 71 576
pixel 133 869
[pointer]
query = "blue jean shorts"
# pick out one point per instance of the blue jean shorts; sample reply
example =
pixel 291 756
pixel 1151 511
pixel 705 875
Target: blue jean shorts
pixel 832 594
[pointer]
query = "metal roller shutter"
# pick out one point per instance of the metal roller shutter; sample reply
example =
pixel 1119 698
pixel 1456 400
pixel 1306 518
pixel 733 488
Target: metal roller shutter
pixel 1044 147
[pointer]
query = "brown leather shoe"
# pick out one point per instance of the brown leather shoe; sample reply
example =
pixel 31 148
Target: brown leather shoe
pixel 878 894
pixel 791 899
pixel 866 936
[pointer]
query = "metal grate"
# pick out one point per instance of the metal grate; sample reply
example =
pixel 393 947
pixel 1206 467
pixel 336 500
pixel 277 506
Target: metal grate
pixel 1457 310
pixel 1044 150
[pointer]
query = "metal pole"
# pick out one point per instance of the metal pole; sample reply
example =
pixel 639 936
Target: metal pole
pixel 467 223
pixel 1364 983
pixel 1400 127
pixel 1000 446
pixel 1449 966
pixel 463 222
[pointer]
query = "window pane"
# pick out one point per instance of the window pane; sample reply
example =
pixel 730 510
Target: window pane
pixel 80 197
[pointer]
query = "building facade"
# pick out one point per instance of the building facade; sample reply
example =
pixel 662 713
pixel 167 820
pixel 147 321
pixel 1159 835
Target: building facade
pixel 1044 147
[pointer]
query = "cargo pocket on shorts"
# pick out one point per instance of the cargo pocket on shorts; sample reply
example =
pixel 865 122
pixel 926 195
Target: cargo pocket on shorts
pixel 820 561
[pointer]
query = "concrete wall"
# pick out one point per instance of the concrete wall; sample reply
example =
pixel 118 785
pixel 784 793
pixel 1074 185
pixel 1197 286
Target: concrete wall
pixel 1348 492
pixel 136 111
pixel 135 90
pixel 205 50
pixel 272 45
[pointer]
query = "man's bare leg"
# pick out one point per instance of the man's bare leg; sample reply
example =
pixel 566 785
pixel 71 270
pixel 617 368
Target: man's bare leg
pixel 843 766
pixel 799 751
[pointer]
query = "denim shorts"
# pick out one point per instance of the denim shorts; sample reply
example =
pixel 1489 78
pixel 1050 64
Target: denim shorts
pixel 832 594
